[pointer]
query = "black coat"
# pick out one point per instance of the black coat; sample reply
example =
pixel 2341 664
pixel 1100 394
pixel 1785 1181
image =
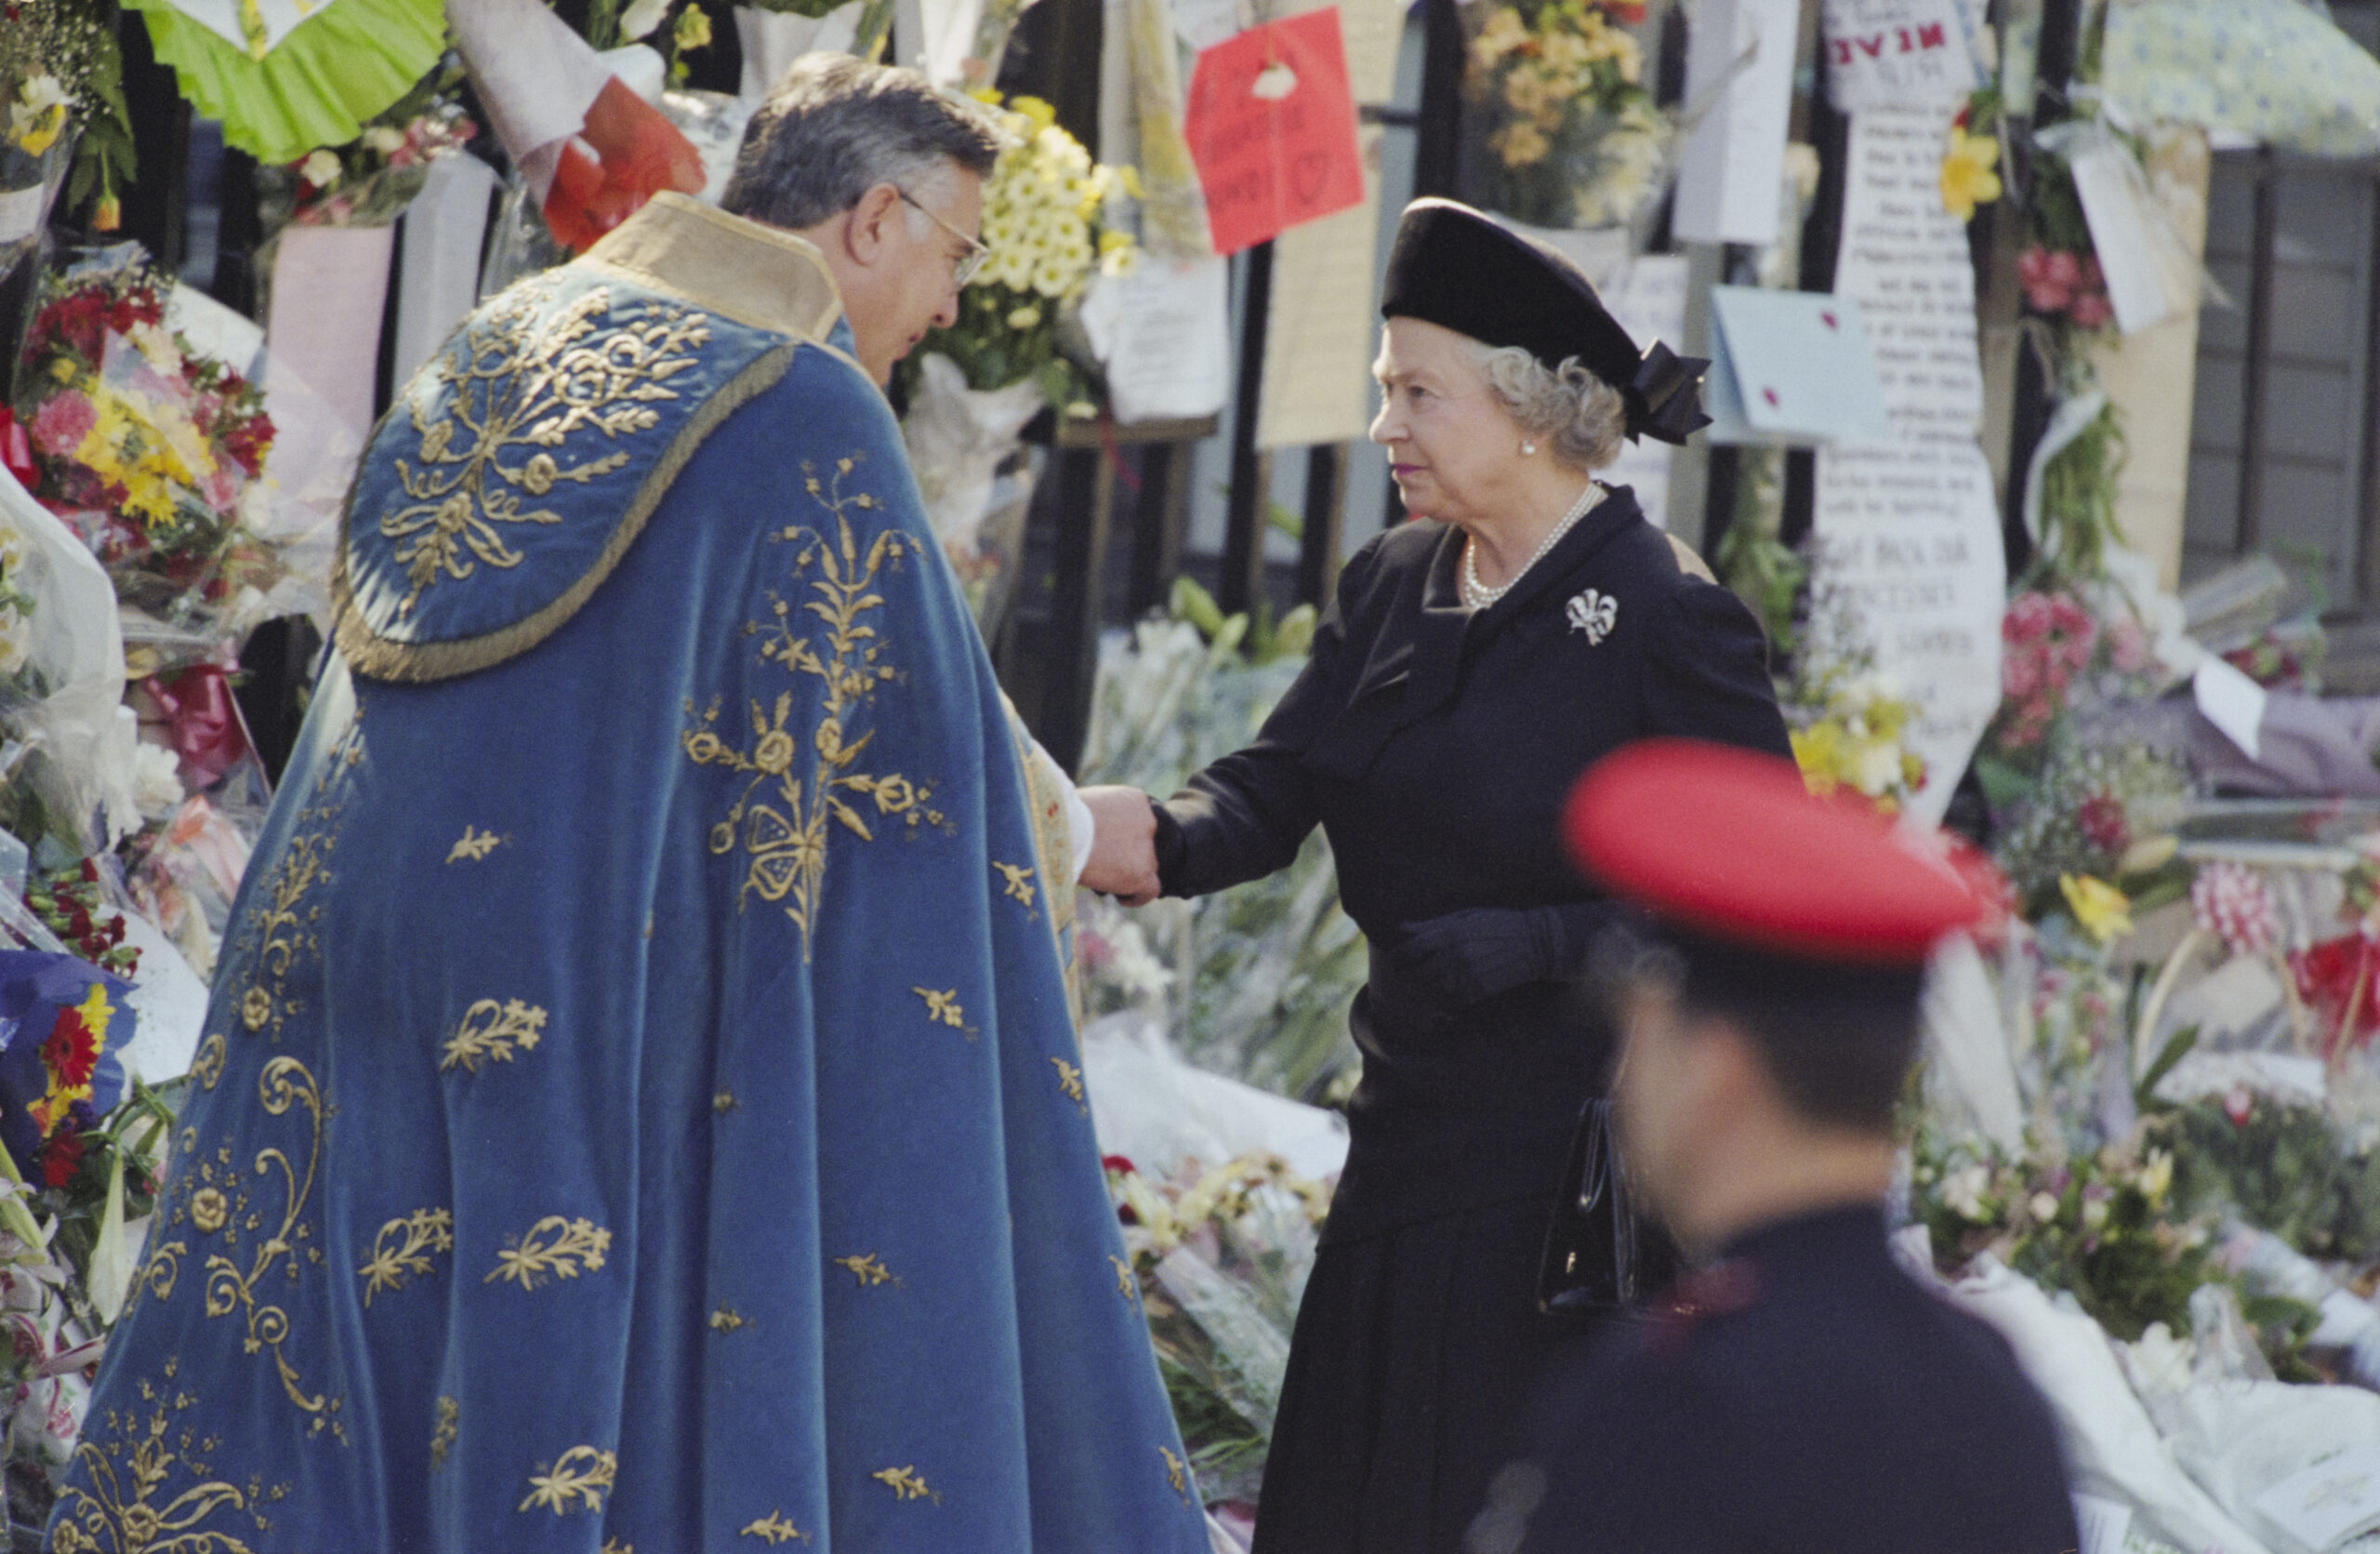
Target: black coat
pixel 1820 1403
pixel 1434 747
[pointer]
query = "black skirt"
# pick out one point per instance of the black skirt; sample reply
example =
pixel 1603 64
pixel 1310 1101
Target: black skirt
pixel 1418 1355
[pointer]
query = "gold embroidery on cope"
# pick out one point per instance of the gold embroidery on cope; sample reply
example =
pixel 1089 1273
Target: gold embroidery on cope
pixel 1019 886
pixel 726 1319
pixel 419 1234
pixel 788 846
pixel 475 847
pixel 493 1031
pixel 943 1007
pixel 613 1545
pixel 868 1269
pixel 774 1529
pixel 556 1246
pixel 1176 1474
pixel 1069 1080
pixel 724 1102
pixel 905 1483
pixel 208 1066
pixel 441 1440
pixel 147 1452
pixel 582 1474
pixel 282 923
pixel 516 383
pixel 285 1082
pixel 1126 1285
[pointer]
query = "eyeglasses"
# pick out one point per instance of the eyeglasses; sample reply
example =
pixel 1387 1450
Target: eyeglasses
pixel 964 268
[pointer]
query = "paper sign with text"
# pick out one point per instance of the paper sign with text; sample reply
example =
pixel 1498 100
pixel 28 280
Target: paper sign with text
pixel 1271 125
pixel 1896 54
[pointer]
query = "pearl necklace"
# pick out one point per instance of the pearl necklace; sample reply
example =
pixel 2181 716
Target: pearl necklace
pixel 1478 595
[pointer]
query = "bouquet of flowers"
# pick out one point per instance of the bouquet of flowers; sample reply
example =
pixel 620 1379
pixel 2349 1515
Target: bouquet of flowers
pixel 145 447
pixel 1043 222
pixel 369 182
pixel 1577 140
pixel 62 103
pixel 1219 1261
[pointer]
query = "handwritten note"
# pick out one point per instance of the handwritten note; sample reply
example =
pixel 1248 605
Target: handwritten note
pixel 1908 531
pixel 2324 1504
pixel 1162 339
pixel 1271 123
pixel 1319 330
pixel 1896 54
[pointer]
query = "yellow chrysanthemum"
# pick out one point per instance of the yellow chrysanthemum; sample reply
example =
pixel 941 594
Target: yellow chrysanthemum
pixel 1521 144
pixel 1969 176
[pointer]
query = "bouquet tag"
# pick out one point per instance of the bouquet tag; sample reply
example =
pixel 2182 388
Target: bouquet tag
pixel 2337 1498
pixel 1271 125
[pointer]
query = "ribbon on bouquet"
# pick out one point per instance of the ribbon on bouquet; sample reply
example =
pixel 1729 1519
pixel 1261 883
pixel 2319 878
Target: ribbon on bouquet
pixel 203 722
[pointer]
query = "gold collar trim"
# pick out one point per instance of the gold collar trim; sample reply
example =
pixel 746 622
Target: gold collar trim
pixel 758 275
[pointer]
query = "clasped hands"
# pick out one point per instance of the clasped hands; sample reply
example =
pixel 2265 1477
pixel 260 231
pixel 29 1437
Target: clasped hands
pixel 1462 958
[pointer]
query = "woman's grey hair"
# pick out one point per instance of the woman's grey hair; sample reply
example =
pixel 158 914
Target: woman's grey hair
pixel 1578 415
pixel 836 126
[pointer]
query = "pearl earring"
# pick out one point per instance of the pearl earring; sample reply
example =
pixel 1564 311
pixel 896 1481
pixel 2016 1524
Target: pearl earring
pixel 1529 447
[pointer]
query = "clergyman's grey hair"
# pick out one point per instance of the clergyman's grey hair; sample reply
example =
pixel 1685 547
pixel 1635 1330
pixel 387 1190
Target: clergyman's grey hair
pixel 1582 417
pixel 836 126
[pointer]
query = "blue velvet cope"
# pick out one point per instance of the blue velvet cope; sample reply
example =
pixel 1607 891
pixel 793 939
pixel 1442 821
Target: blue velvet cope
pixel 636 1110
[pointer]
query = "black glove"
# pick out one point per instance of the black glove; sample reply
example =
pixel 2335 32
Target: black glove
pixel 1471 956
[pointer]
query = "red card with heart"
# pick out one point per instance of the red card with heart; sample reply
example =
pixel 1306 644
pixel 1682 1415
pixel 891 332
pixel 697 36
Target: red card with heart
pixel 1271 123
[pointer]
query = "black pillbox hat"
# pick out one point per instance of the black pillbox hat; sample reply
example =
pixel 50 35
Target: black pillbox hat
pixel 1464 271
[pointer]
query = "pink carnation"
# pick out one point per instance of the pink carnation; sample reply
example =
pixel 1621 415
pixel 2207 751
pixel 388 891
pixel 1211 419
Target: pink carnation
pixel 2232 901
pixel 2091 309
pixel 62 422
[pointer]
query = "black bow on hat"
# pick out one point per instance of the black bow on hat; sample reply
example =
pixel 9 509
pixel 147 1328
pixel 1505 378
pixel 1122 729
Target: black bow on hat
pixel 1464 271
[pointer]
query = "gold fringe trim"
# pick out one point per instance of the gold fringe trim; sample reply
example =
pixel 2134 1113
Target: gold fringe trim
pixel 417 663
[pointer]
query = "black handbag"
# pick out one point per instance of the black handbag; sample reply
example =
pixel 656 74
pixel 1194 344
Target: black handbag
pixel 1603 1256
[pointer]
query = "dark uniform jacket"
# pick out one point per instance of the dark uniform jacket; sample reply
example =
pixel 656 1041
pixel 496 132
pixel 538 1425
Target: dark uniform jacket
pixel 1820 1402
pixel 1435 746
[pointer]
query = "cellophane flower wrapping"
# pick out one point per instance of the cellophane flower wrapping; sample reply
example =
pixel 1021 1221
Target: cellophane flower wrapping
pixel 149 450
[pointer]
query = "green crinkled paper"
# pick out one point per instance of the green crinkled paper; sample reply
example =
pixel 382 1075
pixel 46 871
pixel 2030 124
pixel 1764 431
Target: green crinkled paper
pixel 334 72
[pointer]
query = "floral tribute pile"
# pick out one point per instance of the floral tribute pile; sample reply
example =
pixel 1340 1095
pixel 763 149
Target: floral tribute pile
pixel 1572 135
pixel 145 446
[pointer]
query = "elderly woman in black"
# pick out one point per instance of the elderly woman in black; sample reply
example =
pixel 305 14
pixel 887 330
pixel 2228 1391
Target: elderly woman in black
pixel 1472 665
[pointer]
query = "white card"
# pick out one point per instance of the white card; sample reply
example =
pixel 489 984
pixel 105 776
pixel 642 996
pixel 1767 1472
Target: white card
pixel 1801 367
pixel 2231 702
pixel 2102 1523
pixel 1896 53
pixel 2328 1503
pixel 1162 336
pixel 2115 204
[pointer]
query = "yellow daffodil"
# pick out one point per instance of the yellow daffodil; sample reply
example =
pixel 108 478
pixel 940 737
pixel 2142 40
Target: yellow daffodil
pixel 2103 911
pixel 38 117
pixel 1968 179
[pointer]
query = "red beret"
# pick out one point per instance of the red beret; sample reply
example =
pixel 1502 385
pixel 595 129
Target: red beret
pixel 1729 843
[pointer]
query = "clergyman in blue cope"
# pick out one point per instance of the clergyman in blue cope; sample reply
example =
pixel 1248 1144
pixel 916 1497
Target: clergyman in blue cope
pixel 639 1106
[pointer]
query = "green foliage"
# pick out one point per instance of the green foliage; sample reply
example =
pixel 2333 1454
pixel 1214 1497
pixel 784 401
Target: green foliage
pixel 1259 637
pixel 2283 1168
pixel 2079 502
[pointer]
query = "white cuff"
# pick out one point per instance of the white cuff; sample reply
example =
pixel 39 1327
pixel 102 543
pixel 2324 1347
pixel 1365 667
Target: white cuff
pixel 1080 829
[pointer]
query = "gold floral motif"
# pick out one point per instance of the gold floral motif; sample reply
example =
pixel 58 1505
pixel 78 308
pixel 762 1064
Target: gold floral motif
pixel 514 382
pixel 493 1031
pixel 786 846
pixel 1126 1285
pixel 475 847
pixel 419 1234
pixel 209 1209
pixel 583 1473
pixel 557 1246
pixel 1019 882
pixel 450 1424
pixel 905 1483
pixel 1069 1079
pixel 942 1006
pixel 281 926
pixel 868 1269
pixel 158 1274
pixel 129 1505
pixel 208 1066
pixel 774 1529
pixel 727 1319
pixel 724 1102
pixel 613 1545
pixel 1177 1474
pixel 285 1082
